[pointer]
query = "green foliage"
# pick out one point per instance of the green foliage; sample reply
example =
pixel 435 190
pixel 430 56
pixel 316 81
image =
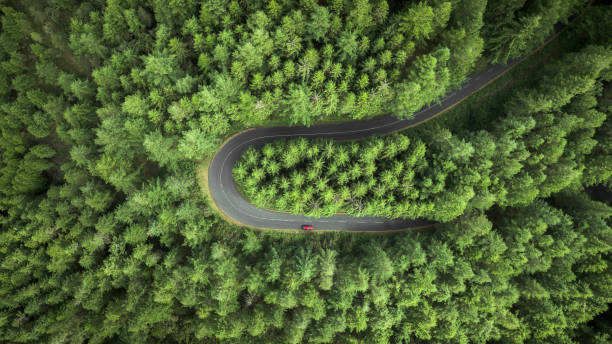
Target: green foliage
pixel 195 144
pixel 513 27
pixel 105 236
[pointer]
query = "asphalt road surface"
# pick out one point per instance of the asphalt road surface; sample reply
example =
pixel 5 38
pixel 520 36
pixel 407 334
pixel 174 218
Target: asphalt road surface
pixel 229 200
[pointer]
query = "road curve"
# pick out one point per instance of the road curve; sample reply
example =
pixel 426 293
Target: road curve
pixel 230 202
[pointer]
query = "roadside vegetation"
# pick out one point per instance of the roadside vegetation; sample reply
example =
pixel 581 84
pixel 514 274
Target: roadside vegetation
pixel 106 108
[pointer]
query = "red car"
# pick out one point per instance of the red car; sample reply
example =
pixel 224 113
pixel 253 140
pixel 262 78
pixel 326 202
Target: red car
pixel 307 227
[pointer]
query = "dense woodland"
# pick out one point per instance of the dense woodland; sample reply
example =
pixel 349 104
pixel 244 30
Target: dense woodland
pixel 107 108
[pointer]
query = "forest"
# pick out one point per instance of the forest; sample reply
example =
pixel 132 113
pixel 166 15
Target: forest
pixel 109 107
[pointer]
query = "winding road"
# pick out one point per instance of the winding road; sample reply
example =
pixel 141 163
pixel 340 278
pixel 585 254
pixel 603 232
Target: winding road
pixel 233 206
